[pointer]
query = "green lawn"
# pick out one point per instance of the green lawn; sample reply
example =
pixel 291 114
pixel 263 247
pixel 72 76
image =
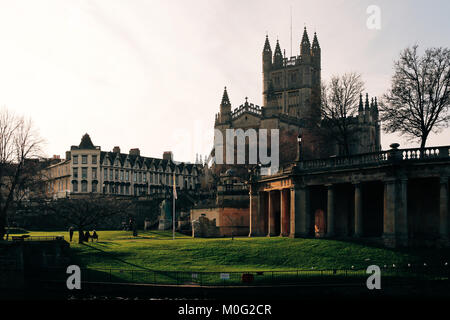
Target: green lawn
pixel 155 250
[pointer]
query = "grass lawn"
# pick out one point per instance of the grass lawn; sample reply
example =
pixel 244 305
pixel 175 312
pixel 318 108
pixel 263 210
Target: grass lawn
pixel 155 250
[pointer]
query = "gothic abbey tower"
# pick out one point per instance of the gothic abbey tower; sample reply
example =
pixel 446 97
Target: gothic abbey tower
pixel 292 86
pixel 292 103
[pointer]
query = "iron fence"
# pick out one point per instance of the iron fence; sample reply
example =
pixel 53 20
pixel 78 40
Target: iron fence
pixel 35 238
pixel 239 278
pixel 8 264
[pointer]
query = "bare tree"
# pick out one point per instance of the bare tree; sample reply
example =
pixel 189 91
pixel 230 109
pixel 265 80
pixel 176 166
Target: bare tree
pixel 20 148
pixel 340 105
pixel 418 101
pixel 84 212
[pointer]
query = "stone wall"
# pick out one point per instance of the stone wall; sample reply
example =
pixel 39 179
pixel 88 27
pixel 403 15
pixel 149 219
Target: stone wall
pixel 205 228
pixel 234 222
pixel 19 259
pixel 220 222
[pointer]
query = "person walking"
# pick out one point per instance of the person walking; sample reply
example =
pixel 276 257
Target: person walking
pixel 87 235
pixel 71 233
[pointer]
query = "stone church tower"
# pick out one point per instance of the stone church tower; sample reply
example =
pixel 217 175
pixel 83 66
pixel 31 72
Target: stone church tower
pixel 292 86
pixel 292 103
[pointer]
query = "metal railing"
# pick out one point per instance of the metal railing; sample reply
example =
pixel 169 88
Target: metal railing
pixel 253 278
pixel 8 264
pixel 35 238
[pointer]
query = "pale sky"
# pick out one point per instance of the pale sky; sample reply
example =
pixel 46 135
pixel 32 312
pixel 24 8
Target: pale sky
pixel 150 74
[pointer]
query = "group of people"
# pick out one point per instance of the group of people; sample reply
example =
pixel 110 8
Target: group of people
pixel 86 235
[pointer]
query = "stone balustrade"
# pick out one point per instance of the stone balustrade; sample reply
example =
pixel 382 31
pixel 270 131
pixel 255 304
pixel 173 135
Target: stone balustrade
pixel 398 197
pixel 247 107
pixel 381 157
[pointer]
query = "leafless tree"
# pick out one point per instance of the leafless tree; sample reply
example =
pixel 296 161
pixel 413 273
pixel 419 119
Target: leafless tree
pixel 20 149
pixel 419 98
pixel 88 211
pixel 339 105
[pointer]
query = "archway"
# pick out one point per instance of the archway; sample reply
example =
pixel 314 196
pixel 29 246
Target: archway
pixel 319 223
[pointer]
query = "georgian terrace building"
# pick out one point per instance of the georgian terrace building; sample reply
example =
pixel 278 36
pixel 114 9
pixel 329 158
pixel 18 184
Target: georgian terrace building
pixel 88 169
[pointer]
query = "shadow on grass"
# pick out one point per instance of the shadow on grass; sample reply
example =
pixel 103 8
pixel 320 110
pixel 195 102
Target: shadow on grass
pixel 429 255
pixel 158 235
pixel 99 274
pixel 114 257
pixel 368 242
pixel 106 243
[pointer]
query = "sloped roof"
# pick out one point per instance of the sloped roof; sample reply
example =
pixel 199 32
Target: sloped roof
pixel 122 157
pixel 86 142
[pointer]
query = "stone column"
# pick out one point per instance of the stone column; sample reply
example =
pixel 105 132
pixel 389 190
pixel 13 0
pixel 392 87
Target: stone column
pixel 305 210
pixel 395 219
pixel 295 223
pixel 401 218
pixel 284 213
pixel 255 213
pixel 389 213
pixel 358 211
pixel 300 215
pixel 330 211
pixel 443 209
pixel 269 211
pixel 271 229
pixel 263 213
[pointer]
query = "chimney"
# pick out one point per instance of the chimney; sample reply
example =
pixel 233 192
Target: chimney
pixel 135 152
pixel 56 157
pixel 116 149
pixel 168 155
pixel 67 155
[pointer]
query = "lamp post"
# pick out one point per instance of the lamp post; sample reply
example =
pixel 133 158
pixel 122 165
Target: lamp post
pixel 299 147
pixel 254 172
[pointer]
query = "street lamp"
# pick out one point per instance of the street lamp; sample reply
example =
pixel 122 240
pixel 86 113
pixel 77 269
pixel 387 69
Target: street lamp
pixel 299 147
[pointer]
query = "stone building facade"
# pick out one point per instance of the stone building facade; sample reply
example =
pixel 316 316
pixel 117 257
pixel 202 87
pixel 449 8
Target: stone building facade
pixel 398 197
pixel 87 169
pixel 227 214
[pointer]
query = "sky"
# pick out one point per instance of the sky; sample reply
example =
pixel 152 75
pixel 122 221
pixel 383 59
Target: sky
pixel 150 74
